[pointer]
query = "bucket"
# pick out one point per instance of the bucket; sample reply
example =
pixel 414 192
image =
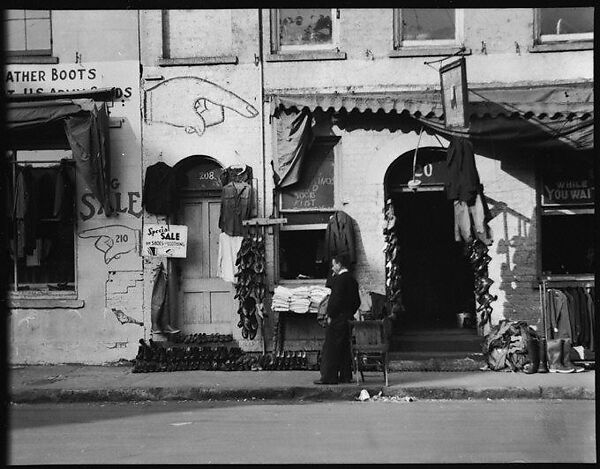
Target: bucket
pixel 465 320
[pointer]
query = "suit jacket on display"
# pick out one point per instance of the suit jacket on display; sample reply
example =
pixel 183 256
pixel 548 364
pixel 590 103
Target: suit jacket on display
pixel 160 191
pixel 339 236
pixel 559 324
pixel 463 179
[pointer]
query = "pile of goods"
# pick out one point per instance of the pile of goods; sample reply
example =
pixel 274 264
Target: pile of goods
pixel 479 259
pixel 510 346
pixel 250 283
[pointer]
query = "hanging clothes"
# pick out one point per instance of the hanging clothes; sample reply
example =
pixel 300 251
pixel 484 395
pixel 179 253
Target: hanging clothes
pixel 339 237
pixel 64 193
pixel 591 318
pixel 236 199
pixel 559 326
pixel 160 189
pixel 463 178
pixel 229 247
pixel 159 296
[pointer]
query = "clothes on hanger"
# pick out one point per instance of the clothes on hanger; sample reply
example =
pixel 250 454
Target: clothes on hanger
pixel 571 315
pixel 236 199
pixel 160 189
pixel 229 247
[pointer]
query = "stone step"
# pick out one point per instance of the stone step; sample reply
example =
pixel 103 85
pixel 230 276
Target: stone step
pixel 432 361
pixel 430 343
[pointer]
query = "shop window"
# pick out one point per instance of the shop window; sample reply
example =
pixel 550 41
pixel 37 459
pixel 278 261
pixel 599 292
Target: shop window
pixel 307 205
pixel 41 222
pixel 564 24
pixel 427 27
pixel 197 36
pixel 28 32
pixel 567 216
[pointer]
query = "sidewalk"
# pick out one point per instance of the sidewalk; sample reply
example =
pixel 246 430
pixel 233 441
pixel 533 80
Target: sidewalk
pixel 82 383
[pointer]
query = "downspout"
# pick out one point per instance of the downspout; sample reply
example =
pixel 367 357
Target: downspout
pixel 262 104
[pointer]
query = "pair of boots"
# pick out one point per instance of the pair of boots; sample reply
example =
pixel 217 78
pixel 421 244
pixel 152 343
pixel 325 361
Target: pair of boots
pixel 552 356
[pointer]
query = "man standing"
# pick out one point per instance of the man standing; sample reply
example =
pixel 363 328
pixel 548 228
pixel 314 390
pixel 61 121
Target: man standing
pixel 336 360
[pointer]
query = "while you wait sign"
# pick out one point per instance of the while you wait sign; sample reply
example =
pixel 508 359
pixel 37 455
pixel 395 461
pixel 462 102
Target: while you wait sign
pixel 164 240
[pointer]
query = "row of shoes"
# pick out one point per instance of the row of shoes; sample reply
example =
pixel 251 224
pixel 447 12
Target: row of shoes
pixel 477 254
pixel 392 270
pixel 202 338
pixel 154 357
pixel 286 360
pixel 250 284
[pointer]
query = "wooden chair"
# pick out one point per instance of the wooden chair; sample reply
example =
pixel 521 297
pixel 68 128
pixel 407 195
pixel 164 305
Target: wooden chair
pixel 369 345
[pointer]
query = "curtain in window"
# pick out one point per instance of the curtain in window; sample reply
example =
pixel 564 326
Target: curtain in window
pixel 294 137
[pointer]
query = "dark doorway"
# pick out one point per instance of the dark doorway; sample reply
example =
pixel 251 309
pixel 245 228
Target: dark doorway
pixel 437 281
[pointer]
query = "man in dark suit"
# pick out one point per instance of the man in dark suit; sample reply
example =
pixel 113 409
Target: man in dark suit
pixel 336 360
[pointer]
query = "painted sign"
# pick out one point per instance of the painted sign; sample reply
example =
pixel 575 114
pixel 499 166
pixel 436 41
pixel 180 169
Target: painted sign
pixel 568 191
pixel 199 104
pixel 453 78
pixel 315 190
pixel 164 240
pixel 114 241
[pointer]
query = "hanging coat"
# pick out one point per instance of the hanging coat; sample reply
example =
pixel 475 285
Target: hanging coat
pixel 159 292
pixel 160 191
pixel 463 179
pixel 339 237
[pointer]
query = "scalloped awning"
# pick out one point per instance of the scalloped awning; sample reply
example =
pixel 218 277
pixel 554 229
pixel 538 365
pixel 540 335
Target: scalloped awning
pixel 543 101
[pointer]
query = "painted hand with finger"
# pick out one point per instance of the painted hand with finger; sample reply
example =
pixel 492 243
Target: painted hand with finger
pixel 199 104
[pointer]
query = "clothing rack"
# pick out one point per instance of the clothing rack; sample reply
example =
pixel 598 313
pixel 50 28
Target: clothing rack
pixel 560 282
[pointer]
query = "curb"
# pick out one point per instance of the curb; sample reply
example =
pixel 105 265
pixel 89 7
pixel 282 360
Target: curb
pixel 36 396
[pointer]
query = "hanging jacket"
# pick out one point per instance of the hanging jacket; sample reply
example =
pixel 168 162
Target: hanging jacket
pixel 160 191
pixel 463 179
pixel 559 325
pixel 339 237
pixel 236 206
pixel 64 193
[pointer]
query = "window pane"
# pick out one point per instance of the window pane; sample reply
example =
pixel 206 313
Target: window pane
pixel 14 14
pixel 200 33
pixel 302 253
pixel 567 20
pixel 568 244
pixel 15 35
pixel 421 24
pixel 44 251
pixel 38 34
pixel 301 26
pixel 37 14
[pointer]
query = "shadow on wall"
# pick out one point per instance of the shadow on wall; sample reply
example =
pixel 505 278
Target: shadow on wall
pixel 518 252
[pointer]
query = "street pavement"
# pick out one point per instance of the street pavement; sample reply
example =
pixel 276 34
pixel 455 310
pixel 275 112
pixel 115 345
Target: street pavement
pixel 383 431
pixel 81 383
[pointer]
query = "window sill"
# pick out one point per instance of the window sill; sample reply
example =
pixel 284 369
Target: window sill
pixel 305 55
pixel 45 303
pixel 301 282
pixel 218 60
pixel 561 46
pixel 428 51
pixel 32 59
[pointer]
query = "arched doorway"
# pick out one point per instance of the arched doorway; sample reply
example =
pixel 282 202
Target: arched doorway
pixel 205 301
pixel 437 282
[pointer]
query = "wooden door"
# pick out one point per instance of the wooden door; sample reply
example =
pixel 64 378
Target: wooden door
pixel 206 302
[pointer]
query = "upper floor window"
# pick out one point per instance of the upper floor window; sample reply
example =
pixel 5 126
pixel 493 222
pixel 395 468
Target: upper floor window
pixel 565 24
pixel 301 29
pixel 197 33
pixel 28 32
pixel 427 27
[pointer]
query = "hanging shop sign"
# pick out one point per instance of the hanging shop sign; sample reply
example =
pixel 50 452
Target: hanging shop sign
pixel 164 240
pixel 453 79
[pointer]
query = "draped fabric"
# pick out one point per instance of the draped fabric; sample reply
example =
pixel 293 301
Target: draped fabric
pixel 294 137
pixel 85 123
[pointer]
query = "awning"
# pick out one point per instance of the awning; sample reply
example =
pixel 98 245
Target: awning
pixel 563 99
pixel 535 115
pixel 85 124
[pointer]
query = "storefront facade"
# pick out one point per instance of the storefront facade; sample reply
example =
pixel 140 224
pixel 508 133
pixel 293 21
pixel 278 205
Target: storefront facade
pixel 221 97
